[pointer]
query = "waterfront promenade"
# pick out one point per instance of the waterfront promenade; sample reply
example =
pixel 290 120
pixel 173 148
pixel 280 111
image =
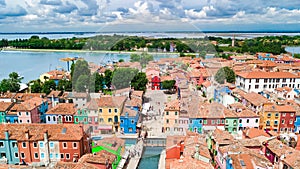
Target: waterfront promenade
pixel 135 154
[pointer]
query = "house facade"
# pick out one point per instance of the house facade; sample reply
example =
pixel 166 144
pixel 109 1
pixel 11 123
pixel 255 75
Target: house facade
pixel 171 116
pixel 81 116
pixel 129 120
pixel 4 109
pixel 61 113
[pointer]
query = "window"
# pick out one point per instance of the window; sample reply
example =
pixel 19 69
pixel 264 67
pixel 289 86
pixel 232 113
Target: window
pixel 65 145
pixel 269 114
pixel 96 119
pixel 36 155
pixel 35 144
pixel 205 122
pixel 256 80
pixel 256 120
pixel 51 156
pixel 28 121
pixel 48 118
pixel 222 121
pixel 116 110
pixel 132 121
pixel 292 114
pixel 27 114
pixel 22 155
pixel 276 115
pixel 100 110
pixel 20 113
pixel 265 80
pixel 283 114
pixel 276 122
pixel 283 80
pixel 74 145
pixel 109 119
pixel 23 145
pixel 200 121
pixel 265 86
pixel 240 121
pixel 14 144
pixel 175 113
pixel 122 121
pixel 1 144
pixel 61 156
pixel 16 155
pixel 167 121
pixel 268 123
pixel 51 145
pixel 41 145
pixel 90 119
pixel 218 121
pixel 250 81
pixel 67 156
pixel 212 121
pixel 256 86
pixel 175 121
pixel 282 121
pixel 167 113
pixel 53 118
pixel 191 121
pixel 291 121
pixel 56 155
pixel 101 120
pixel 109 110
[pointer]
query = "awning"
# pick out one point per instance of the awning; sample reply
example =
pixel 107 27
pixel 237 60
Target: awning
pixel 104 127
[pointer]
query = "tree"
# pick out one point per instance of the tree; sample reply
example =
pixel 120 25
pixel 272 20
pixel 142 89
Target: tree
pixel 121 60
pixel 225 73
pixel 48 86
pixel 82 83
pixel 64 85
pixel 122 77
pixel 168 84
pixel 36 86
pixel 12 83
pixel 97 82
pixel 139 81
pixel 144 58
pixel 108 78
pixel 81 68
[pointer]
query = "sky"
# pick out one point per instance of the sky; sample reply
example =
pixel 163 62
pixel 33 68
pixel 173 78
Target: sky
pixel 148 15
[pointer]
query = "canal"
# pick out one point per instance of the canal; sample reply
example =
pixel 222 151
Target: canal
pixel 150 158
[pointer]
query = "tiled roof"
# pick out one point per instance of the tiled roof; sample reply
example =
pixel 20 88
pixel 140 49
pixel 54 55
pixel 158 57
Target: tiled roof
pixel 54 93
pixel 222 137
pixel 4 106
pixel 253 133
pixel 212 110
pixel 111 140
pixel 137 93
pixel 278 108
pixel 27 96
pixel 63 109
pixel 7 95
pixel 255 99
pixel 77 95
pixel 173 106
pixel 93 104
pixel 278 148
pixel 36 131
pixel 111 101
pixel 131 112
pixel 266 75
pixel 190 162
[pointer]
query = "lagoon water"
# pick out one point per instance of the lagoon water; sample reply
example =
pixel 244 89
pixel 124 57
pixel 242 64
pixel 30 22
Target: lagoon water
pixel 31 65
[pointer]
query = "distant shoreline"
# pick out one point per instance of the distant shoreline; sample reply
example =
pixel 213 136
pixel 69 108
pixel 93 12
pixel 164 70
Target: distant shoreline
pixel 88 51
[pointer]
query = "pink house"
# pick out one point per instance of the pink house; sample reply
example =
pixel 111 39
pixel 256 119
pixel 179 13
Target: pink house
pixel 28 111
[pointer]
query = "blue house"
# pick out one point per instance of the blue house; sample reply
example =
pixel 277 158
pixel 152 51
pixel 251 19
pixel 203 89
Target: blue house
pixel 43 108
pixel 9 152
pixel 297 124
pixel 219 92
pixel 265 56
pixel 128 120
pixel 195 125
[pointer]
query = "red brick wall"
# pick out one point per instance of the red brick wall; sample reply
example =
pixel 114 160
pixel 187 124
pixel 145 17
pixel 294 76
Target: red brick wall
pixel 70 150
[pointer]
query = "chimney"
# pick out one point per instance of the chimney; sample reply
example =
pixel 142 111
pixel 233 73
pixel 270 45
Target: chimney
pixel 27 134
pixel 46 136
pixel 6 135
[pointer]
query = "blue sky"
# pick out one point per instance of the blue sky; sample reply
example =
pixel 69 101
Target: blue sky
pixel 148 15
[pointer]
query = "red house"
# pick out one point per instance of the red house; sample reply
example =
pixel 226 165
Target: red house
pixel 287 118
pixel 155 83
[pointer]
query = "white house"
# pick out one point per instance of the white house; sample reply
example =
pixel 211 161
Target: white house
pixel 286 93
pixel 258 81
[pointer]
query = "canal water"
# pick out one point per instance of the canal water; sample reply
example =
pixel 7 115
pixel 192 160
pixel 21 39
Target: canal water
pixel 150 158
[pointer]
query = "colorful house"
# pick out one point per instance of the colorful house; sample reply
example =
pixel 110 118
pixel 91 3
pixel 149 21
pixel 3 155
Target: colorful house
pixel 171 116
pixel 297 123
pixel 110 108
pixel 81 116
pixel 61 113
pixel 54 97
pixel 29 110
pixel 287 118
pixel 129 120
pixel 93 116
pixel 112 145
pixel 41 144
pixel 155 83
pixel 231 121
pixel 269 118
pixel 4 108
pixel 213 116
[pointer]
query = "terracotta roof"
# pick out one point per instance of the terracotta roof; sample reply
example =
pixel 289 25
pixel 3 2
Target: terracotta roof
pixel 293 159
pixel 93 104
pixel 278 108
pixel 63 109
pixel 255 99
pixel 36 131
pixel 78 95
pixel 7 95
pixel 137 93
pixel 285 88
pixel 278 148
pixel 190 162
pixel 4 106
pixel 172 106
pixel 27 96
pixel 99 158
pixel 206 83
pixel 54 93
pixel 266 75
pixel 108 143
pixel 131 112
pixel 212 110
pixel 173 140
pixel 253 132
pixel 64 165
pixel 164 78
pixel 111 101
pixel 222 137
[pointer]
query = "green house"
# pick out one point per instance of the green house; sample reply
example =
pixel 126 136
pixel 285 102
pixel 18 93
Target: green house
pixel 113 145
pixel 4 108
pixel 231 121
pixel 81 117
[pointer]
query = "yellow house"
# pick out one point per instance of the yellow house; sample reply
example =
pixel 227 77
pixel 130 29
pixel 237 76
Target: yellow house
pixel 109 110
pixel 171 116
pixel 269 118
